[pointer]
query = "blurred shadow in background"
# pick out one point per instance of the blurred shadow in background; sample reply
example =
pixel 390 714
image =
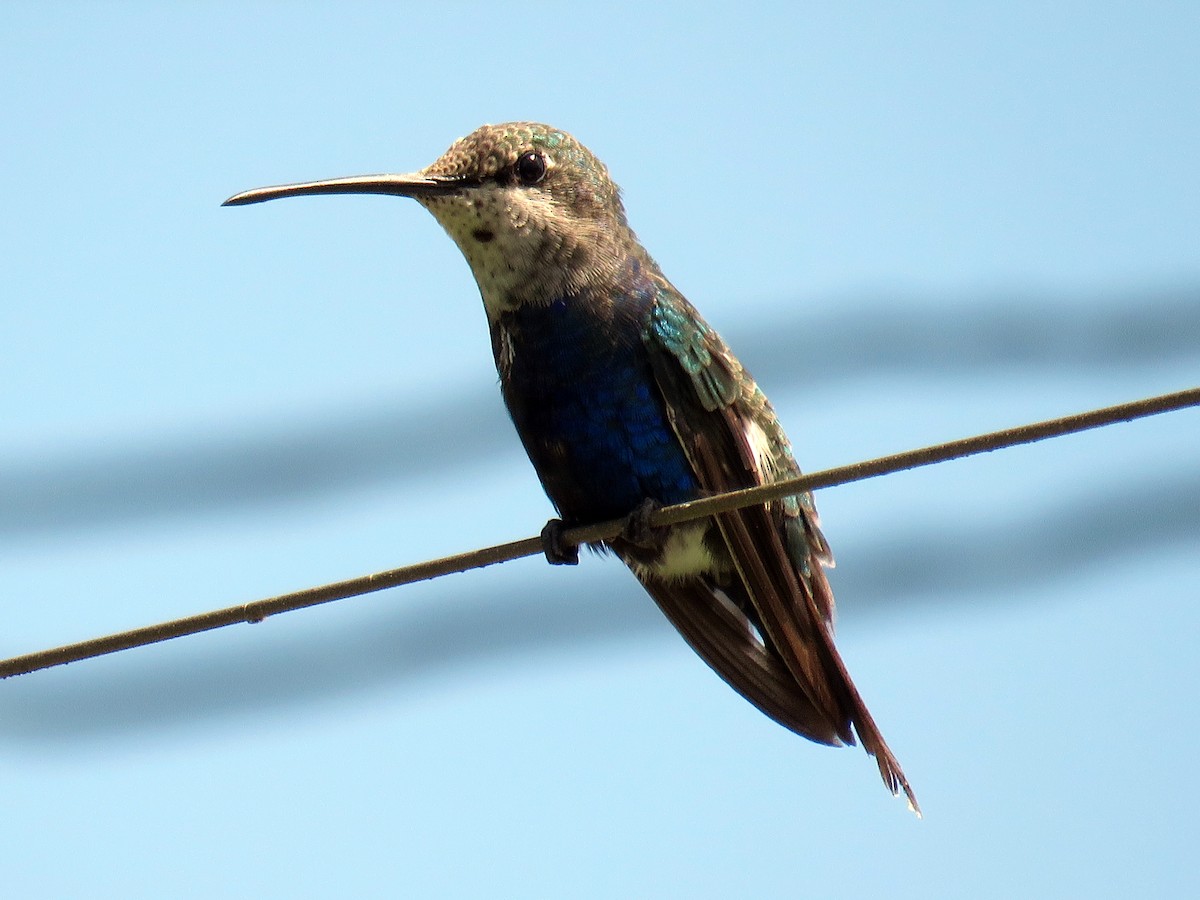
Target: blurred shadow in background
pixel 400 647
pixel 870 340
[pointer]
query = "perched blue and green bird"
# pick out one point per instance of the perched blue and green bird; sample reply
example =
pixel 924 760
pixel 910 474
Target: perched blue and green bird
pixel 625 399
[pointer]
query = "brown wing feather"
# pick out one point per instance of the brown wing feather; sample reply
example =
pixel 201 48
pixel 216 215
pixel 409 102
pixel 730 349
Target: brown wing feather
pixel 794 625
pixel 794 608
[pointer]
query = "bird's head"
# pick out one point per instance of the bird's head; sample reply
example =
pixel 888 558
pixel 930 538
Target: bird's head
pixel 535 213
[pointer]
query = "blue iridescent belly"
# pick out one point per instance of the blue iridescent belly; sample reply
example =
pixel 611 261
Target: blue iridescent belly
pixel 578 384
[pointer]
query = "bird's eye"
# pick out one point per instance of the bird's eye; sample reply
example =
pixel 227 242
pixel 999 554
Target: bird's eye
pixel 531 167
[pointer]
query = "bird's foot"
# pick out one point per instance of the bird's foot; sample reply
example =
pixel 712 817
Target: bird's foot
pixel 559 551
pixel 638 530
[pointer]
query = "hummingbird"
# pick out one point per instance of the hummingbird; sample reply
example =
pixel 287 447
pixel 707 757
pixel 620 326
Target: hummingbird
pixel 626 400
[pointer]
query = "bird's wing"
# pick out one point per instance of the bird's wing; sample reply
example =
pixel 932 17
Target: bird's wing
pixel 729 433
pixel 722 636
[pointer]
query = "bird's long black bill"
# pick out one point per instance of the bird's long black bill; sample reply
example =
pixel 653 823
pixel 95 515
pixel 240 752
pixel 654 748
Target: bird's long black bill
pixel 395 185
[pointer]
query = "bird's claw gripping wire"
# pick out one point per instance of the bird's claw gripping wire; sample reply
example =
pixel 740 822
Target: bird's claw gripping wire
pixel 638 530
pixel 559 551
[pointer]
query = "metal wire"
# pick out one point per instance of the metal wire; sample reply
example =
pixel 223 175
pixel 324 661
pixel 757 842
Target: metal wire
pixel 258 610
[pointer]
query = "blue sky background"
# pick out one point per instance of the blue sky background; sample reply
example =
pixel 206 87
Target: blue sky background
pixel 913 222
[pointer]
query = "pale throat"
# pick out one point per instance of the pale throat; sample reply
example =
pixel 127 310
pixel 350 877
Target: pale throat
pixel 520 250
